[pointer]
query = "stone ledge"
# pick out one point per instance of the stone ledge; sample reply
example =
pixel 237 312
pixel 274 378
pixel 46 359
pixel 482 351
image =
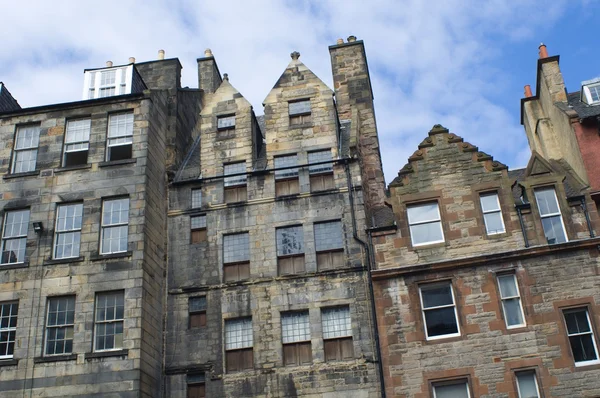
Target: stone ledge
pixel 107 354
pixel 14 266
pixel 76 167
pixel 17 175
pixel 99 257
pixel 9 362
pixel 55 358
pixel 64 260
pixel 117 162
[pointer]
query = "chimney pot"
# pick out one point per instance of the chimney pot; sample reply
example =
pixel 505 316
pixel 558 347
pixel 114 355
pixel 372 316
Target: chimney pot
pixel 295 55
pixel 208 52
pixel 161 54
pixel 528 92
pixel 132 60
pixel 340 41
pixel 351 39
pixel 109 63
pixel 543 51
pixel 225 76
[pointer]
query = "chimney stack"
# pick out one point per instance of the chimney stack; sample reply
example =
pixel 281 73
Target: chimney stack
pixel 132 60
pixel 209 77
pixel 528 91
pixel 543 51
pixel 109 64
pixel 161 55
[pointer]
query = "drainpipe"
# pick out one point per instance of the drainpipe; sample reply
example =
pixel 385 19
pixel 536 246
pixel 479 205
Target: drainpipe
pixel 587 216
pixel 369 257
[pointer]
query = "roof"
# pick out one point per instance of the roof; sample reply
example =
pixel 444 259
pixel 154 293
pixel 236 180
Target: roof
pixel 583 110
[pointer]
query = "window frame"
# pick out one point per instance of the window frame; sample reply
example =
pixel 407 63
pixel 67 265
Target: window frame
pixel 93 78
pixel 535 379
pixel 198 234
pixel 338 341
pixel 196 198
pixel 21 238
pixel 238 350
pixel 36 129
pixel 451 382
pixel 127 136
pixel 331 255
pixel 114 321
pixel 14 304
pixel 454 305
pixel 550 215
pixel 302 117
pixel 58 233
pixel 587 91
pixel 104 227
pixel 495 211
pixel 226 117
pixel 297 259
pixel 503 299
pixel 592 332
pixel 236 264
pixel 291 350
pixel 321 174
pixel 236 186
pixel 57 326
pixel 68 143
pixel 199 382
pixel 201 312
pixel 410 206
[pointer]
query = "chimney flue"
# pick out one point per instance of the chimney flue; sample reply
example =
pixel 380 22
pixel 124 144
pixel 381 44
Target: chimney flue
pixel 528 91
pixel 208 53
pixel 340 41
pixel 132 60
pixel 161 54
pixel 543 51
pixel 351 39
pixel 109 63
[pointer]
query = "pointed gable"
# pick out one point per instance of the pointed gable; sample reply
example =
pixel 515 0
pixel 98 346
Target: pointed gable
pixel 537 166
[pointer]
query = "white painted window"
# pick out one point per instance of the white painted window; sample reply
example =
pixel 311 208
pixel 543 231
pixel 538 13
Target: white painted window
pixel 77 142
pixel 591 92
pixel 552 220
pixel 286 161
pixel 439 311
pixel 26 148
pixel 238 333
pixel 225 122
pixel 115 220
pixel 425 224
pixel 511 301
pixel 527 384
pixel 60 322
pixel 14 236
pixel 318 157
pixel 110 310
pixel 336 322
pixel 235 168
pixel 8 329
pixel 67 239
pixel 108 82
pixel 453 390
pixel 295 327
pixel 581 337
pixel 492 214
pixel 120 136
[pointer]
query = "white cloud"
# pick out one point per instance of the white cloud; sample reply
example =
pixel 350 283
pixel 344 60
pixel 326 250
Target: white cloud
pixel 431 61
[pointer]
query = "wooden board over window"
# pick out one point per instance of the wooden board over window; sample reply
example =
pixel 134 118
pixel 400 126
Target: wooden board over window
pixel 339 349
pixel 297 353
pixel 330 260
pixel 238 360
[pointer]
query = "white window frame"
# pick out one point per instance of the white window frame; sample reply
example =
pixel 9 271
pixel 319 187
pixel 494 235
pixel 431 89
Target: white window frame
pixel 450 383
pixel 423 309
pixel 549 215
pixel 32 148
pixel 75 231
pixel 497 210
pixel 114 138
pixel 527 372
pixel 591 332
pixel 503 299
pixel 106 227
pixel 12 306
pixel 76 145
pixel 19 237
pixel 105 321
pixel 93 78
pixel 437 220
pixel 587 91
pixel 224 122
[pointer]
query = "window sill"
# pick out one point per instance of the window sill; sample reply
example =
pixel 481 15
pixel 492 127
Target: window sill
pixel 75 167
pixel 100 257
pixel 432 245
pixel 55 358
pixel 14 266
pixel 287 197
pixel 9 362
pixel 64 260
pixel 117 162
pixel 106 354
pixel 300 126
pixel 17 175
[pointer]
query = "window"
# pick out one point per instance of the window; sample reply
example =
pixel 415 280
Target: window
pixel 591 92
pixel 321 174
pixel 108 82
pixel 8 329
pixel 552 221
pixel 68 230
pixel 197 312
pixel 196 387
pixel 492 215
pixel 527 385
pixel 238 344
pixel 115 219
pixel 439 311
pixel 337 333
pixel 120 136
pixel 286 181
pixel 226 122
pixel 290 250
pixel 511 301
pixel 594 93
pixel 299 112
pixel 59 325
pixel 581 337
pixel 452 389
pixel 236 257
pixel 198 232
pixel 110 308
pixel 235 186
pixel 14 236
pixel 295 335
pixel 77 142
pixel 329 244
pixel 26 148
pixel 425 224
pixel 196 198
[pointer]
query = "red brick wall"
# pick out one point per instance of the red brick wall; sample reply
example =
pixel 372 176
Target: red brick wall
pixel 589 144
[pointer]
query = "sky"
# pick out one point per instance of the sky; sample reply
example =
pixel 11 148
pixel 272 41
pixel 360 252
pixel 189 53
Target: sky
pixel 459 63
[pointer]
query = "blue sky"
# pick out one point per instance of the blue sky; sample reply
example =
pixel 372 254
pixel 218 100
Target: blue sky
pixel 460 63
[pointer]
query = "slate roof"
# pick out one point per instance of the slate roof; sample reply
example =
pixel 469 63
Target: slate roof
pixel 583 110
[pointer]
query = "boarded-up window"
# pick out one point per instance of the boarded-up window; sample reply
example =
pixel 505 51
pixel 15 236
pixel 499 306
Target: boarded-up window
pixel 197 312
pixel 238 344
pixel 290 250
pixel 235 186
pixel 196 385
pixel 198 229
pixel 329 245
pixel 300 112
pixel 236 257
pixel 321 174
pixel 295 334
pixel 337 333
pixel 286 180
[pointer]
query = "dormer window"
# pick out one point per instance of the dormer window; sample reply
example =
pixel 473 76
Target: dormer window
pixel 590 91
pixel 108 82
pixel 299 112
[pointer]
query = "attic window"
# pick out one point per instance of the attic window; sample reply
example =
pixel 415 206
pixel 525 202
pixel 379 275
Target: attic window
pixel 107 82
pixel 591 92
pixel 300 112
pixel 226 122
